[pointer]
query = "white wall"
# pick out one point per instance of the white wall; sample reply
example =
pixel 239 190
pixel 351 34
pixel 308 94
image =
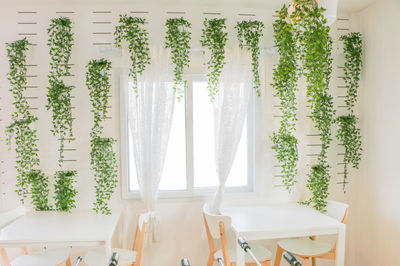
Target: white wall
pixel 374 232
pixel 181 224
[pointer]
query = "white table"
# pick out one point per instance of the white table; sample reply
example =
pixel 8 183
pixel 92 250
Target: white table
pixel 79 228
pixel 259 222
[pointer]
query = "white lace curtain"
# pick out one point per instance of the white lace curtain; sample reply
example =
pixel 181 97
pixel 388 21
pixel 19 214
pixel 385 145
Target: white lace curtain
pixel 150 117
pixel 230 109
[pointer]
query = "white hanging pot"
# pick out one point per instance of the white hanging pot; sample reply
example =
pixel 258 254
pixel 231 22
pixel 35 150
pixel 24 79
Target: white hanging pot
pixel 331 10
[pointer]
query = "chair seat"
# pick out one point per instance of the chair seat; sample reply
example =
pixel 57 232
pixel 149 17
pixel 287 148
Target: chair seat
pixel 305 247
pixel 97 257
pixel 259 251
pixel 48 257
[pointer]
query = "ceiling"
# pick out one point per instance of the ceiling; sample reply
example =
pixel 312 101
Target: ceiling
pixel 344 5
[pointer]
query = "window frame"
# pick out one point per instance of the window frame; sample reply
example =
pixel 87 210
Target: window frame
pixel 191 191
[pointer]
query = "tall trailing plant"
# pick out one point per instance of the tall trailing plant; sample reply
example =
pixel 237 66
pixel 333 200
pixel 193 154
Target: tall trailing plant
pixel 65 191
pixel 131 30
pixel 349 134
pixel 285 77
pixel 214 37
pixel 177 39
pixel 103 159
pixel 60 43
pixel 21 127
pixel 249 35
pixel 40 190
pixel 316 49
pixel 59 94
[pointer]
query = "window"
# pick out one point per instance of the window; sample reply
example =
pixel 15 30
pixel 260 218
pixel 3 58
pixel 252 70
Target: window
pixel 189 165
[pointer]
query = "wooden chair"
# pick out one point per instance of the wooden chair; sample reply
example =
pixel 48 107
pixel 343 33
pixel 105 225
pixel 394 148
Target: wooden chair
pixel 307 248
pixel 49 257
pixel 134 257
pixel 215 228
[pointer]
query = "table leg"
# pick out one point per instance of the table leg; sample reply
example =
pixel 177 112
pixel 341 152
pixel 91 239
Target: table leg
pixel 240 254
pixel 340 248
pixel 107 245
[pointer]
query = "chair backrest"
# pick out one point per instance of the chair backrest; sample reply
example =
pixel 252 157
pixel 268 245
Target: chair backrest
pixel 337 210
pixel 212 221
pixel 10 216
pixel 140 237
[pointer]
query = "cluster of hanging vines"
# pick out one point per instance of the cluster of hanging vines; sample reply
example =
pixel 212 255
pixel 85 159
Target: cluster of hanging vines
pixel 21 127
pixel 285 77
pixel 131 30
pixel 103 159
pixel 348 133
pixel 177 39
pixel 249 35
pixel 60 43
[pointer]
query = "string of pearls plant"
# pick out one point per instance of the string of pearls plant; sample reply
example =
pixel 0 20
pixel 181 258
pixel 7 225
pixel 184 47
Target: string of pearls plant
pixel 103 159
pixel 214 37
pixel 348 133
pixel 177 39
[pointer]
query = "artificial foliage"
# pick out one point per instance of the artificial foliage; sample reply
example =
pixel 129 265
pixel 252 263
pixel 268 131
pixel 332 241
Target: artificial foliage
pixel 40 190
pixel 21 129
pixel 103 159
pixel 65 190
pixel 132 30
pixel 285 77
pixel 350 137
pixel 177 39
pixel 60 43
pixel 348 133
pixel 249 35
pixel 214 37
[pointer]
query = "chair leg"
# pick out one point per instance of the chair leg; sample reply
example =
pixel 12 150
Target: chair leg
pixel 68 262
pixel 278 256
pixel 314 261
pixel 306 262
pixel 210 260
pixel 6 260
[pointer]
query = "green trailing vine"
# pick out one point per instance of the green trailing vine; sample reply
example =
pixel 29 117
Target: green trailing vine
pixel 249 35
pixel 285 77
pixel 21 128
pixel 177 39
pixel 59 94
pixel 214 37
pixel 40 190
pixel 103 159
pixel 131 30
pixel 348 133
pixel 65 191
pixel 316 49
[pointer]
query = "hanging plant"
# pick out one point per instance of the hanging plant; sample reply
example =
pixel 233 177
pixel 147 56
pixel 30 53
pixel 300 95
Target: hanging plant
pixel 104 164
pixel 349 134
pixel 350 137
pixel 65 191
pixel 21 127
pixel 315 55
pixel 352 66
pixel 214 37
pixel 131 30
pixel 103 159
pixel 59 95
pixel 285 77
pixel 249 35
pixel 40 190
pixel 177 39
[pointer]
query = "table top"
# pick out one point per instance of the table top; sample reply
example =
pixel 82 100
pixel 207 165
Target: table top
pixel 280 221
pixel 59 227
